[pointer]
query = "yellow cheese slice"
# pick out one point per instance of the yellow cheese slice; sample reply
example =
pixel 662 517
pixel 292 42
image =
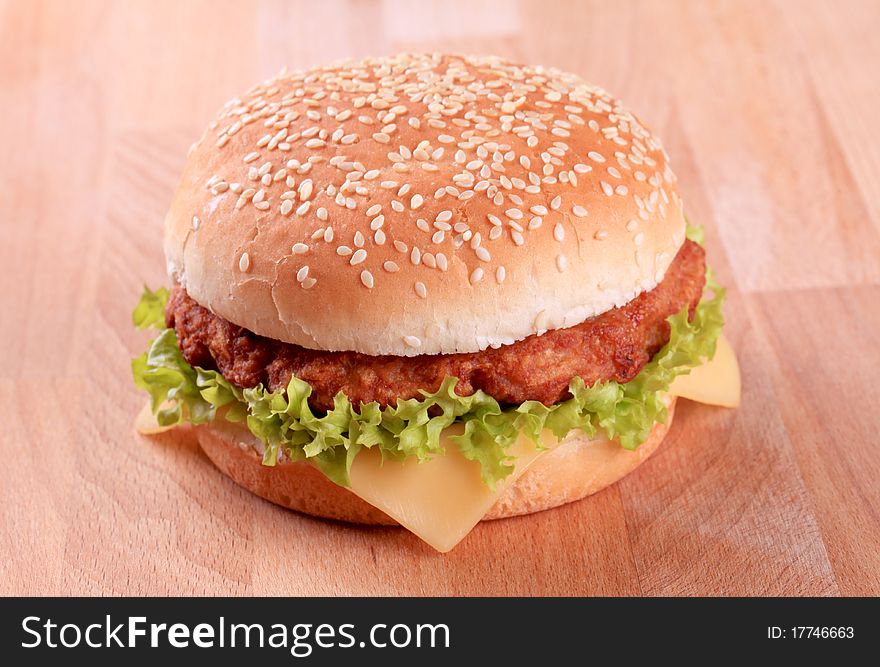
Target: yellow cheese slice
pixel 716 382
pixel 441 499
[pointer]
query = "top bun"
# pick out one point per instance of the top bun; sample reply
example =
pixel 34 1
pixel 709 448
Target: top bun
pixel 422 204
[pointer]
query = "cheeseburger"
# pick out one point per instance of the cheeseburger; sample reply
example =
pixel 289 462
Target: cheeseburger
pixel 430 290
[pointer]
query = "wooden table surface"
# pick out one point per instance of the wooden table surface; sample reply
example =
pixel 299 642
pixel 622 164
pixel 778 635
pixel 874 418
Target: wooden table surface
pixel 771 113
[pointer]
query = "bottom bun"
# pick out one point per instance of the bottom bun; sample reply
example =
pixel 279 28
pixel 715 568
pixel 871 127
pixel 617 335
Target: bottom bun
pixel 575 469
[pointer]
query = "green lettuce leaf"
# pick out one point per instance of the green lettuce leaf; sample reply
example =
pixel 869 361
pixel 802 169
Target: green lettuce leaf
pixel 284 421
pixel 695 233
pixel 150 311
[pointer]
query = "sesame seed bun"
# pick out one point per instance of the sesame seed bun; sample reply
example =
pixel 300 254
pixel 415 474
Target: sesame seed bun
pixel 575 469
pixel 421 204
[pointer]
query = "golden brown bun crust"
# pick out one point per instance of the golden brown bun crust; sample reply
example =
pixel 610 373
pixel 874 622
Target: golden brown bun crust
pixel 575 469
pixel 516 201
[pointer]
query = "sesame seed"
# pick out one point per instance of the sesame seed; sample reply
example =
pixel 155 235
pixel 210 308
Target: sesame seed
pixel 196 222
pixel 305 189
pixel 601 235
pixel 561 263
pixel 421 290
pixel 596 157
pixel 412 341
pixel 476 275
pixel 308 283
pixel 367 279
pixel 559 232
pixel 286 206
pixel 556 203
pixel 302 273
pixel 500 274
pixel 244 262
pixel 416 202
pixel 579 211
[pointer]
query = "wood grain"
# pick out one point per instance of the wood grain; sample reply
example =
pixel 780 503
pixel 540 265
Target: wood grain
pixel 771 112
